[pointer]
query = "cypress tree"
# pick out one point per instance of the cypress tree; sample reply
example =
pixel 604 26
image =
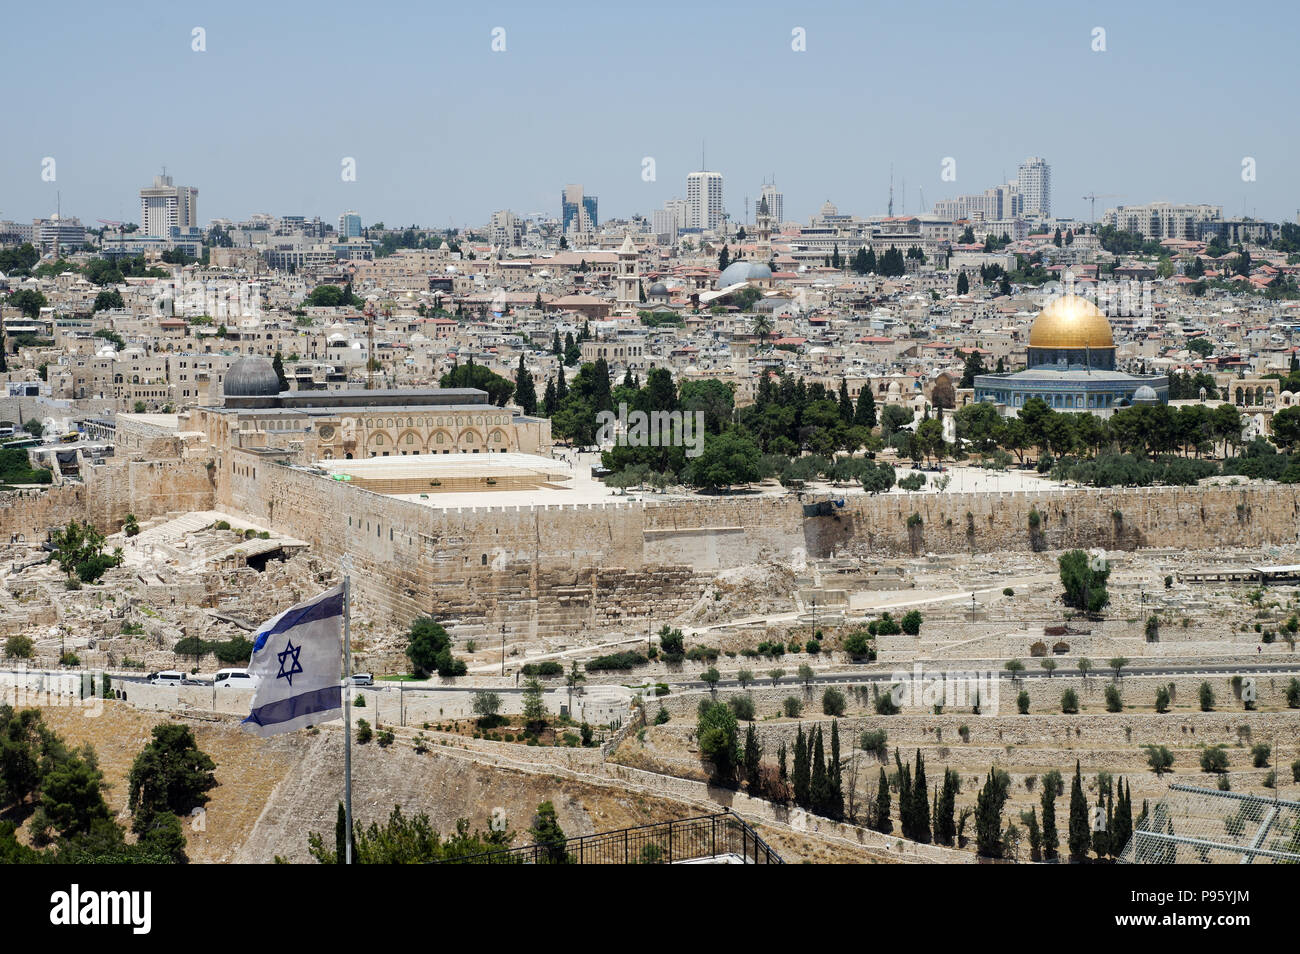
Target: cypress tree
pixel 557 349
pixel 865 415
pixel 988 814
pixel 921 803
pixel 525 391
pixel 1080 837
pixel 904 795
pixel 781 769
pixel 945 821
pixel 548 398
pixel 561 386
pixel 820 795
pixel 846 403
pixel 880 820
pixel 1035 836
pixel 801 773
pixel 1051 841
pixel 963 284
pixel 836 806
pixel 752 757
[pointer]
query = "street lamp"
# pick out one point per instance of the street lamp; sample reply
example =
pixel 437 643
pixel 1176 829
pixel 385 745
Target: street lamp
pixel 503 649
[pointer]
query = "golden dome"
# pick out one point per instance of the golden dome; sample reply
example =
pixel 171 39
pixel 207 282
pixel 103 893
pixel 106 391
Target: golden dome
pixel 1071 322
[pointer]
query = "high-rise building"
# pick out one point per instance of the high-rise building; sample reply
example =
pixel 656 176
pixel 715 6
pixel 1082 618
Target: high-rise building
pixel 775 202
pixel 505 230
pixel 577 211
pixel 1035 184
pixel 703 200
pixel 164 207
pixel 349 225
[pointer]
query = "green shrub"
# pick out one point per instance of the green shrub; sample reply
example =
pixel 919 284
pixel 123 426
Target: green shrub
pixel 1069 702
pixel 623 660
pixel 858 645
pixel 385 738
pixel 1214 758
pixel 911 623
pixel 792 706
pixel 548 668
pixel 1260 753
pixel 364 732
pixel 875 741
pixel 833 702
pixel 743 707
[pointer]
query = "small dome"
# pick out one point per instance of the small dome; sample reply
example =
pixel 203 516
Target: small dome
pixel 253 376
pixel 1145 395
pixel 658 288
pixel 744 271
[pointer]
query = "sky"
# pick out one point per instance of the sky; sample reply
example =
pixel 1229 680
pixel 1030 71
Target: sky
pixel 444 129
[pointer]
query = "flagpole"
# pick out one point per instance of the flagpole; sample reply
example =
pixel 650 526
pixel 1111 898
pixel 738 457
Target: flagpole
pixel 347 719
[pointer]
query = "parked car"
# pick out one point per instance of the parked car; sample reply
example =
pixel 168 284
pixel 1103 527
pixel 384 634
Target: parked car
pixel 168 677
pixel 363 679
pixel 234 679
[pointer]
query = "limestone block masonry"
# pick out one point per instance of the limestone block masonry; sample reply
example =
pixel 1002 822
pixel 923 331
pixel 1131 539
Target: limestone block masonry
pixel 564 569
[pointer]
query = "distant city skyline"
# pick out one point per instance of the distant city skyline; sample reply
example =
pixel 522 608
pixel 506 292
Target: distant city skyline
pixel 445 131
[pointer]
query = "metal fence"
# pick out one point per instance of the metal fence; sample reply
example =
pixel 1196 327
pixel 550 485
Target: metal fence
pixel 1193 825
pixel 720 837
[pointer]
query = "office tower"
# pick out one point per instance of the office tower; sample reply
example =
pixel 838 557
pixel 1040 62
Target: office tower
pixel 164 207
pixel 704 200
pixel 577 210
pixel 775 202
pixel 1035 182
pixel 349 225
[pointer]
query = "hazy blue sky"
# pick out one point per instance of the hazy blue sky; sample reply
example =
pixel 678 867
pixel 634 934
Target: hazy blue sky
pixel 445 130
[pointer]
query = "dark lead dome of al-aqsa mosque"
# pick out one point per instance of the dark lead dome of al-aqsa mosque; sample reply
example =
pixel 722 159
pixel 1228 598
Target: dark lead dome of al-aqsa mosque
pixel 253 376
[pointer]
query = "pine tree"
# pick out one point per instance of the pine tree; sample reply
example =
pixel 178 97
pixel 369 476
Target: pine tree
pixel 1080 838
pixel 880 819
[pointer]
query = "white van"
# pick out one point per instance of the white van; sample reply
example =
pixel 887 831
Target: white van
pixel 168 677
pixel 234 679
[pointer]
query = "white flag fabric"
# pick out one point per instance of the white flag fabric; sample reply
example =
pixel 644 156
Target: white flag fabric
pixel 296 662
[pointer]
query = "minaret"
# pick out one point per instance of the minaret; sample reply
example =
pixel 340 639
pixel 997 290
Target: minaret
pixel 626 277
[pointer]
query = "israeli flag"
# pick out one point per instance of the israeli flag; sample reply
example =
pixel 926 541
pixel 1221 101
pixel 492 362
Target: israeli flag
pixel 296 662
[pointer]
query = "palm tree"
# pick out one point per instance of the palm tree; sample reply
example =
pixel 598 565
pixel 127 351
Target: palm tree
pixel 762 328
pixel 571 679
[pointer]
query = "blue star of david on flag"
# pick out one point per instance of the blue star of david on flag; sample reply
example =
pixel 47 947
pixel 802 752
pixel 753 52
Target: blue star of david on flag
pixel 295 665
pixel 290 650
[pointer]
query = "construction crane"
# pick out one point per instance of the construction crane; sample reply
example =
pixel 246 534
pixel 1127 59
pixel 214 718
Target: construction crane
pixel 1093 197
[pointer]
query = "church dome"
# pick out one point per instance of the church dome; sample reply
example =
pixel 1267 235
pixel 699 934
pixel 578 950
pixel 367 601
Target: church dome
pixel 744 271
pixel 1071 322
pixel 253 376
pixel 658 288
